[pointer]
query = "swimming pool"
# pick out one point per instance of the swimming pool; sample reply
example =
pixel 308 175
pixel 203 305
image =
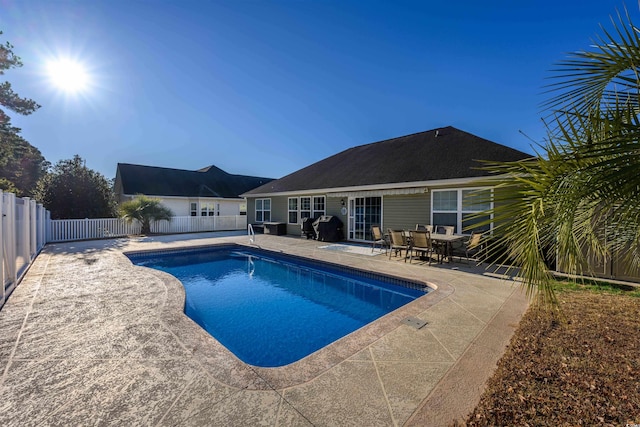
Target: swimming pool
pixel 271 310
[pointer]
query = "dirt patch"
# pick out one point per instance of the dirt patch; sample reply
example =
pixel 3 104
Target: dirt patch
pixel 583 369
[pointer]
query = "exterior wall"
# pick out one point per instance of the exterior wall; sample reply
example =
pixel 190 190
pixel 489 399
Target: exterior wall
pixel 404 212
pixel 229 207
pixel 251 210
pixel 334 207
pixel 280 210
pixel 179 206
pixel 398 211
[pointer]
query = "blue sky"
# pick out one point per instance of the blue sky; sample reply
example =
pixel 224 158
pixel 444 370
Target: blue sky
pixel 267 87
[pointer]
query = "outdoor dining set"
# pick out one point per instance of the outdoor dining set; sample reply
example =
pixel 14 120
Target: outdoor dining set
pixel 426 242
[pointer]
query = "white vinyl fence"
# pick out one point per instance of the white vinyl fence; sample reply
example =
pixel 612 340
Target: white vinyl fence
pixel 66 230
pixel 22 235
pixel 26 226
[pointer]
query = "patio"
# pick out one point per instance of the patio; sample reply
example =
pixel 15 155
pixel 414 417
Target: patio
pixel 89 339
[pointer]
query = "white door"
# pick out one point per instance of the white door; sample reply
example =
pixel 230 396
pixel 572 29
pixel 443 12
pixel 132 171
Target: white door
pixel 363 213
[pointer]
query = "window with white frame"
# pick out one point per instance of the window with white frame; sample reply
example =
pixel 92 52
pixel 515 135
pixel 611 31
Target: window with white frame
pixel 457 207
pixel 305 207
pixel 207 209
pixel 293 210
pixel 475 201
pixel 318 206
pixel 263 210
pixel 193 209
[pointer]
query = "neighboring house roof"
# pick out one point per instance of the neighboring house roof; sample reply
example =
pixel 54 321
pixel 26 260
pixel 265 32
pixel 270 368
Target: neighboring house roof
pixel 438 154
pixel 207 182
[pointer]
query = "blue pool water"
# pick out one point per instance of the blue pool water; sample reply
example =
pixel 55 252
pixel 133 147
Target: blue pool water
pixel 271 310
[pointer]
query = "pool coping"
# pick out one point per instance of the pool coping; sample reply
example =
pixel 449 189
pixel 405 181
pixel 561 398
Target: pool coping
pixel 230 370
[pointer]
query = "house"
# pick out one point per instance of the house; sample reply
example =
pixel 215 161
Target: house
pixel 430 177
pixel 206 192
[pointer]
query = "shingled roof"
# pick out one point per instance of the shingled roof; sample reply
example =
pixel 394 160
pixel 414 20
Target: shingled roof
pixel 207 182
pixel 444 153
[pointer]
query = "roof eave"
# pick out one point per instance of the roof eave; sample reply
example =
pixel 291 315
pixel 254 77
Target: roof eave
pixel 161 196
pixel 373 187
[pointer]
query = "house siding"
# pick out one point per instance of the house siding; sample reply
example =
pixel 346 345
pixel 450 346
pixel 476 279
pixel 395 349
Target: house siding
pixel 279 208
pixel 404 212
pixel 398 211
pixel 332 207
pixel 179 207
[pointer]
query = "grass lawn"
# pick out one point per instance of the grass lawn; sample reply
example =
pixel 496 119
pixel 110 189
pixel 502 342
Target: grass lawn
pixel 582 368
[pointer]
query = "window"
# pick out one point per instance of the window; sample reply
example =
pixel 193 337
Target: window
pixel 457 208
pixel 474 202
pixel 263 210
pixel 445 208
pixel 318 206
pixel 301 208
pixel 305 207
pixel 293 210
pixel 193 209
pixel 207 209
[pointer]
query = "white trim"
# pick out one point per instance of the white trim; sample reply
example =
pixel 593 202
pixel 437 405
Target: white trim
pixel 262 210
pixel 235 199
pixel 297 210
pixel 312 211
pixel 459 212
pixel 412 187
pixel 351 216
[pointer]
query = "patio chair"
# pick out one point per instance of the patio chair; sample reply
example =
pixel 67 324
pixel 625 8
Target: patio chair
pixel 378 239
pixel 445 229
pixel 428 228
pixel 421 243
pixel 470 247
pixel 397 242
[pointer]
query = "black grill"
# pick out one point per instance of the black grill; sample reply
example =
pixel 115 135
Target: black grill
pixel 328 228
pixel 307 228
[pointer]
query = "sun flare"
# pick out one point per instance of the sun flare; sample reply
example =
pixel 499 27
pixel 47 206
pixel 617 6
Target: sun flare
pixel 68 75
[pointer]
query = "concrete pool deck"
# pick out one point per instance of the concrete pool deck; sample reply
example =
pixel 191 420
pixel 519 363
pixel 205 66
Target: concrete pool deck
pixel 87 338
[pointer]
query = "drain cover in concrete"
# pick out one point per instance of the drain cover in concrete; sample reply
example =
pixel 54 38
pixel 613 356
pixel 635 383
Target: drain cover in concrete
pixel 414 322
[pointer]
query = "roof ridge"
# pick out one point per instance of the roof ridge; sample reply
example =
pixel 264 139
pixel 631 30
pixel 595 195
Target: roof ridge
pixel 155 167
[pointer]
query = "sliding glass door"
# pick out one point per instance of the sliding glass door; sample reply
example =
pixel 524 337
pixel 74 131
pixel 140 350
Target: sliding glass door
pixel 363 213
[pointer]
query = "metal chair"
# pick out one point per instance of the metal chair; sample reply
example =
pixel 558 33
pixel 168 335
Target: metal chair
pixel 421 243
pixel 378 239
pixel 445 229
pixel 471 247
pixel 397 242
pixel 428 228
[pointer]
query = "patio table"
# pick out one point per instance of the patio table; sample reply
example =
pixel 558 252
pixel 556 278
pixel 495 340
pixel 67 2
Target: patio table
pixel 446 241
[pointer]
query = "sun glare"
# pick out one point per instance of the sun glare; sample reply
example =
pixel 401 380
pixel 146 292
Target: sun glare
pixel 68 75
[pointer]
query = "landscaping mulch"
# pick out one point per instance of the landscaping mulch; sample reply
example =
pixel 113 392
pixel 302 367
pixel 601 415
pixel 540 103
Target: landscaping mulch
pixel 580 368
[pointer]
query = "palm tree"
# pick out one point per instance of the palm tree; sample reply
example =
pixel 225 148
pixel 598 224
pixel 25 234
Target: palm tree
pixel 580 198
pixel 144 209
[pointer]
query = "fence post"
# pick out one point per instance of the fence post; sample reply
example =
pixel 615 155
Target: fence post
pixel 40 216
pixel 32 229
pixel 25 229
pixel 9 240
